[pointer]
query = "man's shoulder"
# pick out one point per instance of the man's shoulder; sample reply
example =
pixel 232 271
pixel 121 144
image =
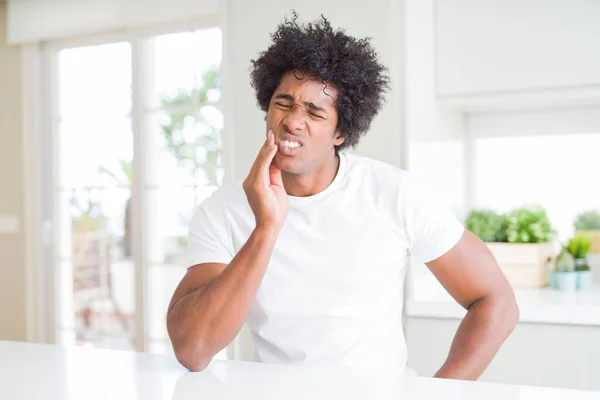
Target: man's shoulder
pixel 381 178
pixel 361 167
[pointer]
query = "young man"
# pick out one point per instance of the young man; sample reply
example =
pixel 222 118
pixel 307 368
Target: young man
pixel 311 250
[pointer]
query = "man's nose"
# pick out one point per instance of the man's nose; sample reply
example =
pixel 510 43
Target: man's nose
pixel 294 121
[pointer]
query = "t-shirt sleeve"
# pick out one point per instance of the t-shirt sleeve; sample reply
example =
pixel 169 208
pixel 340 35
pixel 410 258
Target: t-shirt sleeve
pixel 430 226
pixel 208 236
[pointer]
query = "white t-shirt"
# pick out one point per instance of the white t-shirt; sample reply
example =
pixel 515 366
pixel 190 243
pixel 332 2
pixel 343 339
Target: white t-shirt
pixel 333 289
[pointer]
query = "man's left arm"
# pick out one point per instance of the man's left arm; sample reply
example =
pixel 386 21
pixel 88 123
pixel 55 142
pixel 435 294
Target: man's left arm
pixel 471 275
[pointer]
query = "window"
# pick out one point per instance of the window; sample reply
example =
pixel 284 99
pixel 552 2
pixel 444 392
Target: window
pixel 557 172
pixel 104 120
pixel 95 151
pixel 505 160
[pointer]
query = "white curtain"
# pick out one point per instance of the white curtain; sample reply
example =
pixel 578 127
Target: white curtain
pixel 32 21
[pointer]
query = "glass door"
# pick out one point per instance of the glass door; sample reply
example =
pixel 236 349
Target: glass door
pixel 138 146
pixel 96 304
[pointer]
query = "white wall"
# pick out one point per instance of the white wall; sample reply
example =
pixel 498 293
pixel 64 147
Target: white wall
pixel 535 354
pixel 487 46
pixel 13 315
pixel 37 20
pixel 436 136
pixel 528 123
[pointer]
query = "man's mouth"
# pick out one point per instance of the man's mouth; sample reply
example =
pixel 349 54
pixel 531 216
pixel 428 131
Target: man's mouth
pixel 288 146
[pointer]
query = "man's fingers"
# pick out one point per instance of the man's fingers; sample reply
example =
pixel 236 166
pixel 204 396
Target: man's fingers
pixel 271 137
pixel 267 154
pixel 271 150
pixel 264 173
pixel 275 176
pixel 262 154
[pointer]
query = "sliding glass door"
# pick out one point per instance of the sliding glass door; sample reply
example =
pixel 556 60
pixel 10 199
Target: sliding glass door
pixel 136 146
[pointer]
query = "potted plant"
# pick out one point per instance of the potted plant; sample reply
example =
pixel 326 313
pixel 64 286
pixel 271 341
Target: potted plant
pixel 564 277
pixel 579 247
pixel 587 224
pixel 488 225
pixel 521 242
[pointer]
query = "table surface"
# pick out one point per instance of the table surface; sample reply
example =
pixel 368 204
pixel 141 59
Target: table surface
pixel 37 371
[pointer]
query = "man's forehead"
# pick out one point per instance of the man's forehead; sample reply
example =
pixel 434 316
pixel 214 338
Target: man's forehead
pixel 302 87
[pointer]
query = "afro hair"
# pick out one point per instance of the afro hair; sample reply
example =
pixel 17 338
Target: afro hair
pixel 350 65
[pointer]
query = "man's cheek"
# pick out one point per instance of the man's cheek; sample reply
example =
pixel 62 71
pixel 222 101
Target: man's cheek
pixel 276 124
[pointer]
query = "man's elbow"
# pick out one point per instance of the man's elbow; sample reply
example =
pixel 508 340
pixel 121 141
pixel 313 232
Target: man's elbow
pixel 192 359
pixel 501 307
pixel 515 313
pixel 509 309
pixel 190 350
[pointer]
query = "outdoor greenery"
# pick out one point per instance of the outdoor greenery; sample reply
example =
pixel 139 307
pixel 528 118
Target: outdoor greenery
pixel 198 153
pixel 588 221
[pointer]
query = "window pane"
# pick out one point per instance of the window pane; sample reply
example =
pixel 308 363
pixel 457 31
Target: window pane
pixel 163 280
pixel 187 148
pixel 182 58
pixel 103 274
pixel 95 81
pixel 95 149
pixel 184 153
pixel 95 153
pixel 552 171
pixel 169 212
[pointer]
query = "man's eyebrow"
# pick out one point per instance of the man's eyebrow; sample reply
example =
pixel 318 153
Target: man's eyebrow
pixel 310 105
pixel 316 108
pixel 285 97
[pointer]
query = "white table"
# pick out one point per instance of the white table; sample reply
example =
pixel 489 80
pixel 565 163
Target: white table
pixel 34 371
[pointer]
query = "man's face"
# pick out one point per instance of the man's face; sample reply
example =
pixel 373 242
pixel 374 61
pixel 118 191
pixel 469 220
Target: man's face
pixel 304 119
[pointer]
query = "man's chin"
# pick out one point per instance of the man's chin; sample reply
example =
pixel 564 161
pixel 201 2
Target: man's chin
pixel 287 164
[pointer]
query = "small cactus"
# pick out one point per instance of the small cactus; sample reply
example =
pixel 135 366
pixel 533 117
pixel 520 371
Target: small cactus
pixel 564 262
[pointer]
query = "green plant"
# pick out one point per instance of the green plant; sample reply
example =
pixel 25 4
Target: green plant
pixel 579 247
pixel 588 221
pixel 529 225
pixel 488 225
pixel 564 262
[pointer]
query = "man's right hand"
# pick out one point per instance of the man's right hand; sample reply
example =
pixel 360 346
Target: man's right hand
pixel 212 301
pixel 264 188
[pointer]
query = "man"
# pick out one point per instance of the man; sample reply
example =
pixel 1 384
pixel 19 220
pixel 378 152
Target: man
pixel 311 250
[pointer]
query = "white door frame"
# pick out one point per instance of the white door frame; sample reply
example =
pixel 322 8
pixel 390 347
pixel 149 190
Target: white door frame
pixel 40 99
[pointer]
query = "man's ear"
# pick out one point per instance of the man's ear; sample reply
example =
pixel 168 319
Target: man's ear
pixel 339 139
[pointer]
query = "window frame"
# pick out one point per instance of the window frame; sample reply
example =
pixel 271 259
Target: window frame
pixel 41 132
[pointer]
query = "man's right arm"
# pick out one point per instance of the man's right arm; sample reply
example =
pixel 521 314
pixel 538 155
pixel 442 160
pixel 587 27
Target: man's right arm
pixel 210 304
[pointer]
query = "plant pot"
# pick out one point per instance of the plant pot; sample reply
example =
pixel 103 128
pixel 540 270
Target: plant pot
pixel 566 281
pixel 585 279
pixel 552 280
pixel 524 264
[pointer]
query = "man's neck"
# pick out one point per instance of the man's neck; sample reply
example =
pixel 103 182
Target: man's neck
pixel 298 185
